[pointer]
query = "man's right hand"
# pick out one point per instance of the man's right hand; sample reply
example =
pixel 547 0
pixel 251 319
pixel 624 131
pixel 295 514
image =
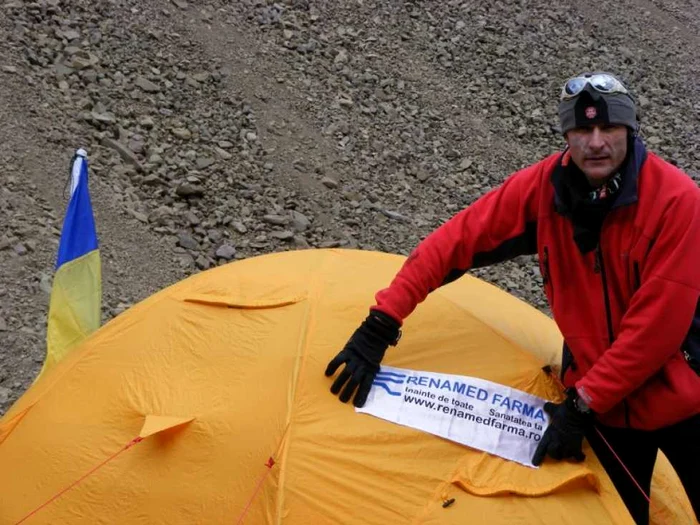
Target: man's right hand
pixel 362 356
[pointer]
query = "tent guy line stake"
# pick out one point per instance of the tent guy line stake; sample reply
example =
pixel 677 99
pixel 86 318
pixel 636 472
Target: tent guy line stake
pixel 270 463
pixel 91 471
pixel 548 370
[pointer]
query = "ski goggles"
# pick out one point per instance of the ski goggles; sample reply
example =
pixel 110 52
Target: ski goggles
pixel 601 82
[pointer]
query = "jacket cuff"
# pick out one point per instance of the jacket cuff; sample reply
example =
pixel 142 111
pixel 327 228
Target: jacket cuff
pixel 387 316
pixel 589 397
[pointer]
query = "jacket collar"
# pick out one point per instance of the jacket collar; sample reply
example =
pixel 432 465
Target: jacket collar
pixel 629 192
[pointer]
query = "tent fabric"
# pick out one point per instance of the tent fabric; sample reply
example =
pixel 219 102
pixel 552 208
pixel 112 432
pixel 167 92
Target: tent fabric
pixel 222 376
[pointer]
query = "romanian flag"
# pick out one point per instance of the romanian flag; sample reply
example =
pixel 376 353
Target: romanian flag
pixel 76 295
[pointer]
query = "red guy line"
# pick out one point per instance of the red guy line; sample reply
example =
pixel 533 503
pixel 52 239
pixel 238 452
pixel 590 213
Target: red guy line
pixel 270 463
pixel 90 472
pixel 622 463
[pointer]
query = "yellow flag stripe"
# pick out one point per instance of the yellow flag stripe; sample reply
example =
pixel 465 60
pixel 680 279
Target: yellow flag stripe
pixel 75 306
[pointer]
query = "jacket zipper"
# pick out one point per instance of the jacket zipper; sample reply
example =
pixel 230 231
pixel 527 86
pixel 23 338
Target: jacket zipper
pixel 600 268
pixel 547 278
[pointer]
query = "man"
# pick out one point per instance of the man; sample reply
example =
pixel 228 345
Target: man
pixel 617 232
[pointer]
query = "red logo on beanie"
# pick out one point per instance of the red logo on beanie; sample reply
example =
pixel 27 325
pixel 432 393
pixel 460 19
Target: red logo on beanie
pixel 591 112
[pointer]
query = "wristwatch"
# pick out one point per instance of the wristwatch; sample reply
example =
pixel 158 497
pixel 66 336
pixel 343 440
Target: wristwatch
pixel 581 405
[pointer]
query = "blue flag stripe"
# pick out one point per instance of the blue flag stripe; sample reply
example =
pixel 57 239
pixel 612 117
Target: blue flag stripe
pixel 78 236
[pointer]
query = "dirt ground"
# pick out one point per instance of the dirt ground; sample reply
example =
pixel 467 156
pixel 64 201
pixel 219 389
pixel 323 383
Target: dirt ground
pixel 249 127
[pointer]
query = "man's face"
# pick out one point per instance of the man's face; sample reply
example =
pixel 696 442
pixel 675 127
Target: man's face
pixel 598 150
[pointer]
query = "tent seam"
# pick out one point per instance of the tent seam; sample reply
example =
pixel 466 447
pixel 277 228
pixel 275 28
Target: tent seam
pixel 302 351
pixel 499 333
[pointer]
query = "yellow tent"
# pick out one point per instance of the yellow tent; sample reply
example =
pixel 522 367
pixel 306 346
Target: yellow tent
pixel 207 403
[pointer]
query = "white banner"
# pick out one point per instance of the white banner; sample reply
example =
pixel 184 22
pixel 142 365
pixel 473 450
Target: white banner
pixel 480 414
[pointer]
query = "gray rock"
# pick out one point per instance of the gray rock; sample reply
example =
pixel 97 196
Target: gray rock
pixel 330 244
pixel 152 180
pixel 147 85
pixel 276 220
pixel 71 34
pixel 299 222
pixel 21 249
pixel 202 263
pixel 3 325
pixel 63 70
pixel 182 133
pixel 82 60
pixel 136 144
pixel 5 395
pixel 124 152
pixel 121 307
pixel 300 242
pixel 226 251
pixel 422 175
pixel 45 283
pixel 142 217
pixel 223 154
pixel 285 235
pixel 307 47
pixel 187 241
pixel 192 218
pixel 184 260
pixel 341 57
pixel 201 77
pixel 146 121
pixel 189 190
pixel 239 227
pixel 465 164
pixel 204 162
pixel 103 118
pixel 329 183
pixel 395 216
pixel 214 236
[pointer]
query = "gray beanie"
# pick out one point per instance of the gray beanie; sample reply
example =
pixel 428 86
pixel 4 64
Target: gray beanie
pixel 593 107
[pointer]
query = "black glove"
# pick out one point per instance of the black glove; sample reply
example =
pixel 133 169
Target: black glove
pixel 362 354
pixel 564 436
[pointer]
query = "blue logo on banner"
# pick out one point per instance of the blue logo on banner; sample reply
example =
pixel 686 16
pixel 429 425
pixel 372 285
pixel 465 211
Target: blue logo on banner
pixel 389 377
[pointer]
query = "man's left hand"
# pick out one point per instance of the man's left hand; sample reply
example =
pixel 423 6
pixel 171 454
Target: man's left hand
pixel 563 438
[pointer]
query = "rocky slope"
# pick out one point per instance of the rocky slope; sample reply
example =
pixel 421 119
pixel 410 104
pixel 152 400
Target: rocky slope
pixel 221 130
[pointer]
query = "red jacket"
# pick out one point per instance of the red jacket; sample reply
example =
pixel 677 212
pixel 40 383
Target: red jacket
pixel 628 311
